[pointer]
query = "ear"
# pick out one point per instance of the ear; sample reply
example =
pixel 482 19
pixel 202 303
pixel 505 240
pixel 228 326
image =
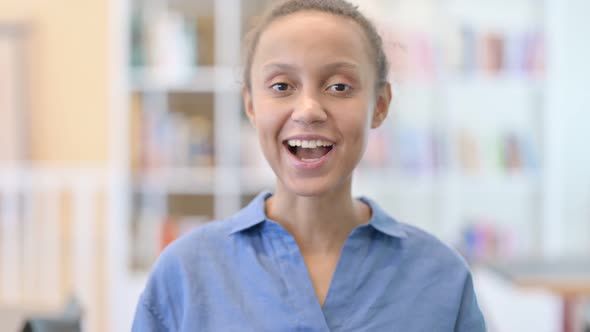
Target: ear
pixel 381 105
pixel 248 106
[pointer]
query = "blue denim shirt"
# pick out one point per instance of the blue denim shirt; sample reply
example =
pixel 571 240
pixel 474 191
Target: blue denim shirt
pixel 246 273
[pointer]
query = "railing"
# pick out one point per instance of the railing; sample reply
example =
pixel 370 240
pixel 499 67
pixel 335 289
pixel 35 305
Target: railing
pixel 52 239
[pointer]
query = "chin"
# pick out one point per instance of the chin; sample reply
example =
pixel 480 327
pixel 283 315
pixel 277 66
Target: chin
pixel 312 187
pixel 308 192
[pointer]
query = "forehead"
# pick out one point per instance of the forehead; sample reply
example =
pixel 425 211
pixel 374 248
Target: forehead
pixel 311 36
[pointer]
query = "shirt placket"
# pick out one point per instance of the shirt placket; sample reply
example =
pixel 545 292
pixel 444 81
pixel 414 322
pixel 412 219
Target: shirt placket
pixel 307 310
pixel 341 298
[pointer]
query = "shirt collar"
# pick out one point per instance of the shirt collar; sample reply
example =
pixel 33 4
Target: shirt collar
pixel 254 214
pixel 382 221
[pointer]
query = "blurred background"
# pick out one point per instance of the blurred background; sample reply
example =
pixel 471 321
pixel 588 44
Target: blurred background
pixel 121 128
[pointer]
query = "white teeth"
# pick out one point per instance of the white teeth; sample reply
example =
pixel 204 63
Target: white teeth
pixel 311 144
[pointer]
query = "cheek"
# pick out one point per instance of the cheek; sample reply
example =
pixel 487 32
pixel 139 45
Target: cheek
pixel 357 123
pixel 265 114
pixel 269 122
pixel 359 133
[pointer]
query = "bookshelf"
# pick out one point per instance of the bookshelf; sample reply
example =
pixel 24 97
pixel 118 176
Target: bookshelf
pixel 520 122
pixel 185 122
pixel 461 149
pixel 461 153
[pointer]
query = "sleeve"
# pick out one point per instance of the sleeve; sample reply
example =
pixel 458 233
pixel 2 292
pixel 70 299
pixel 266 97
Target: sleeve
pixel 146 320
pixel 470 317
pixel 161 304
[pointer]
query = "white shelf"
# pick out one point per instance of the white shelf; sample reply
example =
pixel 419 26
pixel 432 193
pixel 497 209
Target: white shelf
pixel 178 180
pixel 190 79
pixel 202 180
pixel 254 180
pixel 497 184
pixel 498 82
pixel 476 79
pixel 390 180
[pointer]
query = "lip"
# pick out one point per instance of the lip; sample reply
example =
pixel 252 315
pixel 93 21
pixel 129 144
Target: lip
pixel 310 137
pixel 298 164
pixel 302 165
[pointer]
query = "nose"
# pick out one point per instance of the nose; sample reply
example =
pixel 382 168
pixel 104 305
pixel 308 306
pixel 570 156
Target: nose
pixel 308 109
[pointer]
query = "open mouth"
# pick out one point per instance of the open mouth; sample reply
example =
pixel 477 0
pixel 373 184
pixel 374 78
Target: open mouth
pixel 308 150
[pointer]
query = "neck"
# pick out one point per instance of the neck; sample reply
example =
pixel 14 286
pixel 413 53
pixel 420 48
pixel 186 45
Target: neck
pixel 319 224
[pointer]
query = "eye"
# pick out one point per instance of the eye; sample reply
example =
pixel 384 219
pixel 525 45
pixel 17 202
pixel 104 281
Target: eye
pixel 339 87
pixel 281 87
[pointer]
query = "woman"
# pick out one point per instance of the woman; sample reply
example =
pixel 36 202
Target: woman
pixel 310 257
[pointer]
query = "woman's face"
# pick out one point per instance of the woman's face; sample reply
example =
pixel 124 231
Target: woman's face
pixel 312 100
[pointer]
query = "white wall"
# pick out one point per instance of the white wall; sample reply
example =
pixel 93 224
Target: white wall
pixel 568 62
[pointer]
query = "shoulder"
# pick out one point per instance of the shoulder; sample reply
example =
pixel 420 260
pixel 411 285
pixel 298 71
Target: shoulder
pixel 213 237
pixel 211 234
pixel 417 248
pixel 183 268
pixel 197 250
pixel 432 252
pixel 440 273
pixel 188 256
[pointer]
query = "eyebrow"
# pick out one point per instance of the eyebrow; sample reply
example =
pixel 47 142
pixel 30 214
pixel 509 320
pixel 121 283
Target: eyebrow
pixel 329 67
